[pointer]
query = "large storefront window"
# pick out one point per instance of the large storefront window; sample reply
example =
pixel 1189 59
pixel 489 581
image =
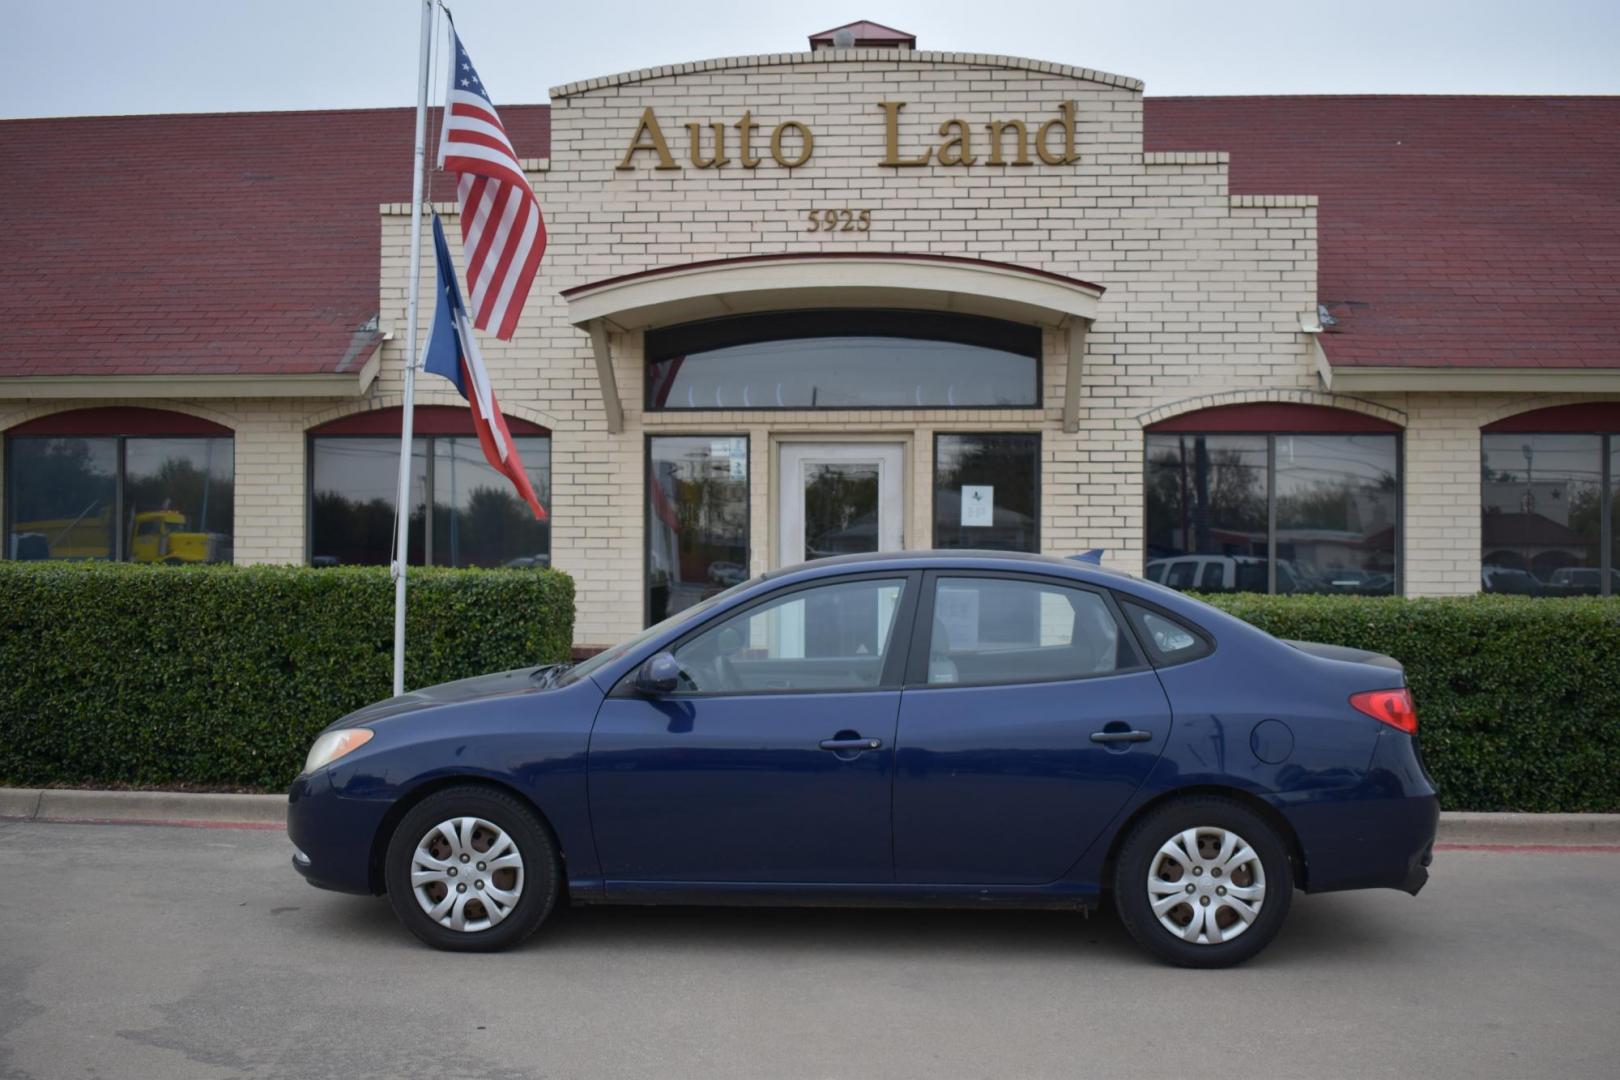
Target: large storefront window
pixel 987 492
pixel 697 519
pixel 844 360
pixel 1548 500
pixel 95 485
pixel 478 519
pixel 1296 512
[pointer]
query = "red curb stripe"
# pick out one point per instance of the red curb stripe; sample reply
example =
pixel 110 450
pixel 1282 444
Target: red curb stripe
pixel 1568 849
pixel 182 823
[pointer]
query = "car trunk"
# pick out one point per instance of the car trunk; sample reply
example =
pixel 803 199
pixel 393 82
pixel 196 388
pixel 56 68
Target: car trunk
pixel 1344 652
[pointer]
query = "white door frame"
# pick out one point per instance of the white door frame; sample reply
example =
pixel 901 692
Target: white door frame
pixel 792 457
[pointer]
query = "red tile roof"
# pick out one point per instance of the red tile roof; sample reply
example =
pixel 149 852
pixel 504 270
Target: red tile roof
pixel 1452 231
pixel 211 244
pixel 867 33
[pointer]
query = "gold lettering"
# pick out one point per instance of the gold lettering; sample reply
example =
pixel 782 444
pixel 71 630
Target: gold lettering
pixel 745 131
pixel 776 144
pixel 649 127
pixel 891 144
pixel 1066 120
pixel 694 132
pixel 996 128
pixel 958 149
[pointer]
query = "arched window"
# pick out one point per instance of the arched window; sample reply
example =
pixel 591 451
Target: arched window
pixel 1549 486
pixel 1274 498
pixel 859 359
pixel 478 518
pixel 133 484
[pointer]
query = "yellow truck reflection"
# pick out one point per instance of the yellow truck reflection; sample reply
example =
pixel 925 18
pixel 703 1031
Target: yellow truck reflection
pixel 156 536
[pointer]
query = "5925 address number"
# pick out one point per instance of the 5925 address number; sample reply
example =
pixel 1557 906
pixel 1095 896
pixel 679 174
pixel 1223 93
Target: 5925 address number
pixel 838 219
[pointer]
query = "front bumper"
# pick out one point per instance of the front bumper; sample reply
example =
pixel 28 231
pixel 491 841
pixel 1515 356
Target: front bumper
pixel 332 837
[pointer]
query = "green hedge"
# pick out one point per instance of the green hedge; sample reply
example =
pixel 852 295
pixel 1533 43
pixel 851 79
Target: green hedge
pixel 1518 698
pixel 221 676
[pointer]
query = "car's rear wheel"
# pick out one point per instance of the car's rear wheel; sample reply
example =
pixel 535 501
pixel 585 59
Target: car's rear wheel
pixel 1203 882
pixel 472 869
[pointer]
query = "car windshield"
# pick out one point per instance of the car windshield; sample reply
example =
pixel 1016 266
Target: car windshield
pixel 606 656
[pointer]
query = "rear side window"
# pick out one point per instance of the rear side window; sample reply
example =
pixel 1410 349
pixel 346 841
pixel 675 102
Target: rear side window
pixel 1000 630
pixel 1211 577
pixel 1168 640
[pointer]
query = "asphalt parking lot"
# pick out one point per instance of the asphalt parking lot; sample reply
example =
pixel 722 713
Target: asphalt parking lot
pixel 141 951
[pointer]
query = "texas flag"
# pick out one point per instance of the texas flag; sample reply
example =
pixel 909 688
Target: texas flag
pixel 452 351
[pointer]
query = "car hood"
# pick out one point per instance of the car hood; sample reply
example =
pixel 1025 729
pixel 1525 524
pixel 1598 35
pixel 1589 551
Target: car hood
pixel 516 681
pixel 1344 652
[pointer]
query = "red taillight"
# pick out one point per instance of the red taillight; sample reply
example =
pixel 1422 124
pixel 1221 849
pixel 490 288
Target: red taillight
pixel 1393 707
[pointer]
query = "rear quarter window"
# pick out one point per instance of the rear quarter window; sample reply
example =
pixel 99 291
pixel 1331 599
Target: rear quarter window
pixel 1167 639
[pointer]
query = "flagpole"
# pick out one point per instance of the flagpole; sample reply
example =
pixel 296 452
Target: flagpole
pixel 408 415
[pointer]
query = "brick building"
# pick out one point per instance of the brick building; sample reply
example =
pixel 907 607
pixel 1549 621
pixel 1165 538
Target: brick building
pixel 855 298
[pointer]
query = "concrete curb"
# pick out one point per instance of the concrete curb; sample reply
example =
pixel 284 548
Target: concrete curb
pixel 173 807
pixel 265 811
pixel 1463 827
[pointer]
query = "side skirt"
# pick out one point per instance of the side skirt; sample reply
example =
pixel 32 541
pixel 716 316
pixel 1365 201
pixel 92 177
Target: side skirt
pixel 1058 895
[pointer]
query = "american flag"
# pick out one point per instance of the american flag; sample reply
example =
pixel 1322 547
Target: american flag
pixel 502 232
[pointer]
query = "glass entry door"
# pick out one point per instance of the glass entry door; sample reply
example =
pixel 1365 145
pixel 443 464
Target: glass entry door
pixel 839 499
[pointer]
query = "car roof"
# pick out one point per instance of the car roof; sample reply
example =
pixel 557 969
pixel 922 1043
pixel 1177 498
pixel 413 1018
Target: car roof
pixel 953 558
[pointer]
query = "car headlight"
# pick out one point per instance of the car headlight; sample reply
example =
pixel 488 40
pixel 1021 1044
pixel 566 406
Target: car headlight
pixel 333 745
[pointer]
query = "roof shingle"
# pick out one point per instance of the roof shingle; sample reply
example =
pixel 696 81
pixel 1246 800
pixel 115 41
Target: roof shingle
pixel 1453 231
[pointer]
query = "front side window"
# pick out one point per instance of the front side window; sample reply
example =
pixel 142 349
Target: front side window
pixel 996 630
pixel 130 498
pixel 844 360
pixel 1279 513
pixel 829 637
pixel 987 491
pixel 478 518
pixel 1542 515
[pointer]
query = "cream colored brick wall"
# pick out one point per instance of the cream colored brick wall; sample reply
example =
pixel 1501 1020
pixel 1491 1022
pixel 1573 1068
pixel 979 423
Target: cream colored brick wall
pixel 1204 292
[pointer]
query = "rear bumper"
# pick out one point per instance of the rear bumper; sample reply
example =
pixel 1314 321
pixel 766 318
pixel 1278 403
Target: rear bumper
pixel 1418 875
pixel 1377 835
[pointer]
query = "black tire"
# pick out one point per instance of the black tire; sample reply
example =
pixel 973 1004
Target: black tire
pixel 542 869
pixel 1135 861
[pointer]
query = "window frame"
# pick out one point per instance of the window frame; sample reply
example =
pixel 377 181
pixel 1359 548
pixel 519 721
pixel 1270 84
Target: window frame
pixel 646 505
pixel 310 438
pixel 1271 436
pixel 650 357
pixel 933 482
pixel 121 543
pixel 894 665
pixel 923 628
pixel 1608 448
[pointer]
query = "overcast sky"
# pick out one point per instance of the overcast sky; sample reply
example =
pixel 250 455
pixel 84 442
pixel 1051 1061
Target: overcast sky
pixel 72 57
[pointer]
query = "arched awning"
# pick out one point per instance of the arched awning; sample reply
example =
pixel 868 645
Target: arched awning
pixel 756 283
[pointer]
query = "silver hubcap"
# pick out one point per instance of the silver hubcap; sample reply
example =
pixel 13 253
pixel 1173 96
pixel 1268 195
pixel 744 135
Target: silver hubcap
pixel 1206 885
pixel 467 874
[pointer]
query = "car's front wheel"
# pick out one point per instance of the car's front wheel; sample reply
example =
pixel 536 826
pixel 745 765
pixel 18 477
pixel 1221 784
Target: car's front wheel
pixel 1203 882
pixel 472 869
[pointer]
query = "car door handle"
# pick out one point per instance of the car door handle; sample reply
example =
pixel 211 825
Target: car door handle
pixel 851 744
pixel 1121 736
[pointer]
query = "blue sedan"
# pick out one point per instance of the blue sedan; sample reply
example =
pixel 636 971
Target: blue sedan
pixel 926 728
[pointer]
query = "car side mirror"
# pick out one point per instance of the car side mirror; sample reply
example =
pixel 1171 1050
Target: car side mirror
pixel 661 674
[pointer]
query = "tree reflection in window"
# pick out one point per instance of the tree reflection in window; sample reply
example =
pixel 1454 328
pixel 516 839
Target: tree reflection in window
pixel 154 500
pixel 1210 501
pixel 477 520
